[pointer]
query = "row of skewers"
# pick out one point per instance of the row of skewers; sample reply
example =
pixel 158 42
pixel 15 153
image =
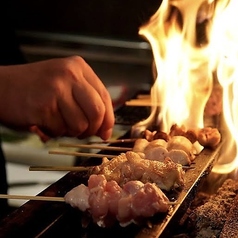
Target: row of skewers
pixel 119 188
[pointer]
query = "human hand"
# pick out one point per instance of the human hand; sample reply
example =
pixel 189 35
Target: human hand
pixel 57 97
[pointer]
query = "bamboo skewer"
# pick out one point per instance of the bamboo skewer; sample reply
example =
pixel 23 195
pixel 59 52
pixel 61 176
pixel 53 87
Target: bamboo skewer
pixel 143 101
pixel 60 168
pixel 140 103
pixel 81 154
pixel 37 198
pixel 143 96
pixel 114 148
pixel 113 141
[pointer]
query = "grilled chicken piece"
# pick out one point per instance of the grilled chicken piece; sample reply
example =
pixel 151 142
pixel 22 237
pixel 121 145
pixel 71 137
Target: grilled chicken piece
pixel 183 144
pixel 140 145
pixel 179 156
pixel 180 143
pixel 130 166
pixel 107 202
pixel 78 197
pixel 154 143
pixel 178 148
pixel 156 150
pixel 208 137
pixel 111 168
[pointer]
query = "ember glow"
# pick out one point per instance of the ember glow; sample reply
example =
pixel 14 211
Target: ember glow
pixel 195 49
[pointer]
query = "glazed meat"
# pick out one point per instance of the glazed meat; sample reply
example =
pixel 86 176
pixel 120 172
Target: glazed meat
pixel 131 166
pixel 107 202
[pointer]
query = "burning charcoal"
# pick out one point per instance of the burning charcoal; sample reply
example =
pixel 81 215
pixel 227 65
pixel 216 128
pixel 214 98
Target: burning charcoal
pixel 230 227
pixel 207 220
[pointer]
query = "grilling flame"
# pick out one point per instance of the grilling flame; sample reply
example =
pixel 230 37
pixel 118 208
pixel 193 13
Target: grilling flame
pixel 195 46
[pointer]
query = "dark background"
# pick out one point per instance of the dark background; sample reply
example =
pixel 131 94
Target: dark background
pixel 82 27
pixel 102 18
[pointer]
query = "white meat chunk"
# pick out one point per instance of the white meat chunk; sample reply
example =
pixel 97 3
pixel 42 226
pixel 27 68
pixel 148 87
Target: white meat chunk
pixel 179 156
pixel 182 143
pixel 108 202
pixel 156 150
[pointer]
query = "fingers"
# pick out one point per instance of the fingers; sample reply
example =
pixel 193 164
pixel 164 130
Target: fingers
pixel 75 115
pixel 92 106
pixel 107 124
pixel 41 134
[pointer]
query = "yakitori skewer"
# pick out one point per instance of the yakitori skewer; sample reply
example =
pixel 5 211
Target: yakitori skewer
pixel 93 146
pixel 72 153
pixel 74 168
pixel 45 198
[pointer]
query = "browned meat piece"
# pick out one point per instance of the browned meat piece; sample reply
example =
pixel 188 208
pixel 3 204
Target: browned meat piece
pixel 130 166
pixel 107 202
pixel 191 135
pixel 161 135
pixel 209 137
pixel 149 135
pixel 176 130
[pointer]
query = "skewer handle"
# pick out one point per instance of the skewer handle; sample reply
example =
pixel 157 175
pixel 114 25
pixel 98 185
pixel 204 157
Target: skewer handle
pixel 81 154
pixel 26 197
pixel 113 141
pixel 59 168
pixel 114 148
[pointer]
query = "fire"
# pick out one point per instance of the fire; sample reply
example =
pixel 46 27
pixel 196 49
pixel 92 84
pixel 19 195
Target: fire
pixel 195 48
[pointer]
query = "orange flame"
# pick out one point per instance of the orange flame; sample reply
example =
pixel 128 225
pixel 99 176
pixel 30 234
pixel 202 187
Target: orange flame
pixel 186 65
